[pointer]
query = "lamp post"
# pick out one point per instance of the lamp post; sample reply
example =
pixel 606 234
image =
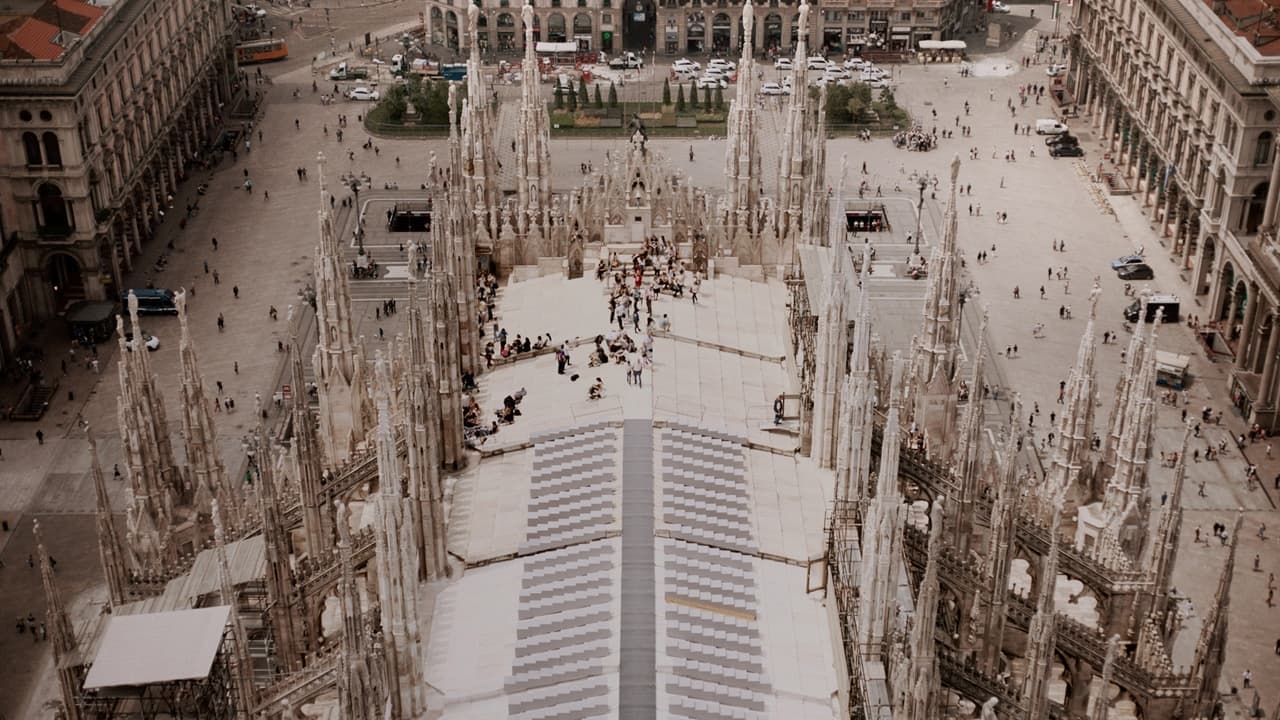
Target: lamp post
pixel 920 212
pixel 355 188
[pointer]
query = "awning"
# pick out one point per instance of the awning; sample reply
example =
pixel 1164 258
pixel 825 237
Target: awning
pixel 158 647
pixel 942 45
pixel 901 30
pixel 556 47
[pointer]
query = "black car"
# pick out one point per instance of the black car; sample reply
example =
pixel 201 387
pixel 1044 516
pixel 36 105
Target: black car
pixel 1136 272
pixel 1066 151
pixel 1063 139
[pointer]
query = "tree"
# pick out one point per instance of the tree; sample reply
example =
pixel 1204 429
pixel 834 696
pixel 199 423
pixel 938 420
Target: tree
pixel 599 101
pixel 583 96
pixel 693 96
pixel 573 100
pixel 679 98
pixel 719 98
pixel 666 92
pixel 559 98
pixel 613 96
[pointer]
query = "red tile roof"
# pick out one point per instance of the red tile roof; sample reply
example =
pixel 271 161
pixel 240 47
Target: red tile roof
pixel 1258 21
pixel 34 37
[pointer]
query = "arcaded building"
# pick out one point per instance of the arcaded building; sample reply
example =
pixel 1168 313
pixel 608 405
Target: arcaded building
pixel 102 108
pixel 672 27
pixel 1186 91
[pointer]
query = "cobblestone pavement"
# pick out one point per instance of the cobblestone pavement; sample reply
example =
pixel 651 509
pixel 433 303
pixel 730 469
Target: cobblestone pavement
pixel 265 248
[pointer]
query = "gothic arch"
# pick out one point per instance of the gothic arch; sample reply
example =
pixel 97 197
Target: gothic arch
pixel 772 31
pixel 581 24
pixel 556 28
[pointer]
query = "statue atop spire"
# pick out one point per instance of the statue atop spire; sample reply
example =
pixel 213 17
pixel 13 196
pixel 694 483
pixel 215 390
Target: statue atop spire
pixel 112 556
pixel 744 219
pixel 533 162
pixel 337 371
pixel 155 485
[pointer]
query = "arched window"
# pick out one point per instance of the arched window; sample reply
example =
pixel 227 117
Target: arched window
pixel 31 145
pixel 1262 156
pixel 52 153
pixel 51 210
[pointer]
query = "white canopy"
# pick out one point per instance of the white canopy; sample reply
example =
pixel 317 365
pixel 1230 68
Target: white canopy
pixel 556 47
pixel 942 45
pixel 158 647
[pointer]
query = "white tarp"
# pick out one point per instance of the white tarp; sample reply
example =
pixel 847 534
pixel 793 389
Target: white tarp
pixel 942 45
pixel 158 647
pixel 556 47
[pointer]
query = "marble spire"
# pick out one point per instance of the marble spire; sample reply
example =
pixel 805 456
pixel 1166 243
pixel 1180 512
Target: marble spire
pixel 967 460
pixel 1126 493
pixel 397 566
pixel 111 554
pixel 1120 409
pixel 473 145
pixel 66 649
pixel 532 161
pixel 832 359
pixel 422 436
pixel 1075 421
pixel 441 290
pixel 999 555
pixel 338 376
pixel 1169 527
pixel 743 170
pixel 1042 633
pixel 796 156
pixel 154 481
pixel 1100 705
pixel 853 461
pixel 317 523
pixel 206 474
pixel 278 548
pixel 919 700
pixel 882 524
pixel 357 694
pixel 242 670
pixel 934 350
pixel 1210 653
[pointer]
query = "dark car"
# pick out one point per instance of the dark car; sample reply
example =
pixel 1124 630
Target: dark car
pixel 1063 139
pixel 1136 272
pixel 1066 151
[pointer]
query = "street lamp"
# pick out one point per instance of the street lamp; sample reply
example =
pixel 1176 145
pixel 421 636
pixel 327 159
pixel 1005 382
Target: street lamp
pixel 924 183
pixel 355 188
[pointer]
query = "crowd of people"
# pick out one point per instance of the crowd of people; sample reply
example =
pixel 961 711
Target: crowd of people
pixel 915 138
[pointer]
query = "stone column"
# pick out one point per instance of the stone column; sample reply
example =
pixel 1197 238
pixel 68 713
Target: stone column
pixel 1273 190
pixel 1185 260
pixel 1266 391
pixel 1250 317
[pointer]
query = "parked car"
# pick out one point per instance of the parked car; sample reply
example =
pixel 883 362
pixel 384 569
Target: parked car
pixel 151 341
pixel 1049 126
pixel 836 72
pixel 1127 260
pixel 816 63
pixel 685 64
pixel 726 65
pixel 854 63
pixel 1142 271
pixel 782 64
pixel 1055 70
pixel 711 82
pixel 878 84
pixel 773 89
pixel 627 61
pixel 1066 150
pixel 1063 139
pixel 1000 7
pixel 362 93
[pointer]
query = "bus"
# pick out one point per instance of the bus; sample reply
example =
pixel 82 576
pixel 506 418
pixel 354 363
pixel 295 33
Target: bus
pixel 261 51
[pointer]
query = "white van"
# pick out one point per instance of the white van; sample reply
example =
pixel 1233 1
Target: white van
pixel 1050 127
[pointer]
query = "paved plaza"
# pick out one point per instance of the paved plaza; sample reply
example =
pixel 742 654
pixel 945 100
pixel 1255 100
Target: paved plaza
pixel 720 366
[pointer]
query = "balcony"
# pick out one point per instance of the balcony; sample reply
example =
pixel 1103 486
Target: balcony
pixel 1263 250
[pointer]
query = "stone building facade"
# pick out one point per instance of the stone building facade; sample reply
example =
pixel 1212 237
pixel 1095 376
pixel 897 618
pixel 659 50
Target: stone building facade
pixel 679 27
pixel 94 136
pixel 1188 96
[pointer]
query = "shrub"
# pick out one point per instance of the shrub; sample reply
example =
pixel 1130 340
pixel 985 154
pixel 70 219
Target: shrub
pixel 666 92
